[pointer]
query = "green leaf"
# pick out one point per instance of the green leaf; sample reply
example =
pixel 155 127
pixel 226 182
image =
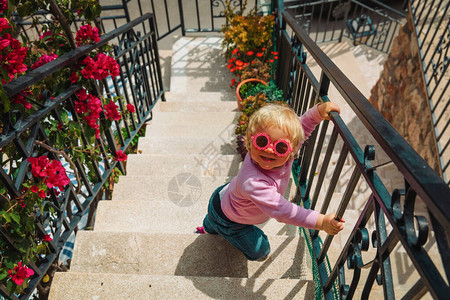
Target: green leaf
pixel 3 275
pixel 15 216
pixel 65 116
pixel 5 100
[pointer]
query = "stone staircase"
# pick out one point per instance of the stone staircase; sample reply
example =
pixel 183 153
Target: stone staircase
pixel 143 244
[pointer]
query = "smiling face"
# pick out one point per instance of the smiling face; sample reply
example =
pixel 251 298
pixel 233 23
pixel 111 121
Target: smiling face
pixel 267 159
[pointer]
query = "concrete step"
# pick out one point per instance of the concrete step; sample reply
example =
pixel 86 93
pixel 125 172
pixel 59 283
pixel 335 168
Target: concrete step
pixel 164 217
pixel 171 165
pixel 185 255
pixel 225 131
pixel 189 187
pixel 199 66
pixel 198 118
pixel 71 285
pixel 184 189
pixel 191 145
pixel 181 104
pixel 191 97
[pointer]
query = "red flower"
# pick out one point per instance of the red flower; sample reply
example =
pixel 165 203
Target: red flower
pixel 235 51
pixel 87 34
pixel 276 57
pixel 131 108
pixel 39 165
pixel 19 273
pixel 100 67
pixel 120 156
pixel 20 98
pixel 259 54
pixel 111 111
pixel 51 171
pixel 43 60
pixel 275 53
pixel 271 60
pixel 4 24
pixel 12 53
pixel 60 126
pixel 57 176
pixel 239 63
pixel 91 107
pixel 34 189
pixel 47 238
pixel 46 34
pixel 231 59
pixel 42 194
pixel 74 77
pixel 22 203
pixel 3 5
pixel 250 53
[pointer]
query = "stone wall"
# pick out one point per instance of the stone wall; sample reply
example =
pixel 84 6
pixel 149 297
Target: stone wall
pixel 400 96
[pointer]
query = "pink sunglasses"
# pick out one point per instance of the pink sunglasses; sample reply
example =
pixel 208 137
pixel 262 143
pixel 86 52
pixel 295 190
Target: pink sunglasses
pixel 261 141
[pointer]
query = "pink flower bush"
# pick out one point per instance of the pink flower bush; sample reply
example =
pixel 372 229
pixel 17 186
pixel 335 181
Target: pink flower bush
pixel 87 34
pixel 19 273
pixel 90 107
pixel 43 60
pixel 111 111
pixel 100 67
pixel 12 53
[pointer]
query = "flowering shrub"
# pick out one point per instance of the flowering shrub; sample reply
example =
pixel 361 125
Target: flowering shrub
pixel 247 33
pixel 248 43
pixel 46 178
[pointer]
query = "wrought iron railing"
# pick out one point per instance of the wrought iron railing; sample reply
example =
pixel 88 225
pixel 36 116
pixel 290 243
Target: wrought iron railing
pixel 139 83
pixel 432 27
pixel 397 232
pixel 373 24
pixel 188 16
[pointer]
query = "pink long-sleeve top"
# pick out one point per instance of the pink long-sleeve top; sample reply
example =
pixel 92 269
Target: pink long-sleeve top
pixel 255 195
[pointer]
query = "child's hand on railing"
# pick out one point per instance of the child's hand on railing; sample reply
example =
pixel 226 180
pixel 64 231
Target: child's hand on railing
pixel 329 224
pixel 326 107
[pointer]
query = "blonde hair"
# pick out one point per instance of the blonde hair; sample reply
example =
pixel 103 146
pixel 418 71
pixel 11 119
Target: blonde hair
pixel 281 116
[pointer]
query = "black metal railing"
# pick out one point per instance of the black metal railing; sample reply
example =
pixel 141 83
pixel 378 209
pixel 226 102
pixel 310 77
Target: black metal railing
pixel 372 23
pixel 139 83
pixel 188 16
pixel 432 28
pixel 396 207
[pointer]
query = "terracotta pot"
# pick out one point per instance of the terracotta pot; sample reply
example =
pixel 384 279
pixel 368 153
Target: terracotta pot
pixel 239 99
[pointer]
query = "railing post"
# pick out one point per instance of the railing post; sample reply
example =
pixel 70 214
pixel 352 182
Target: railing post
pixel 180 10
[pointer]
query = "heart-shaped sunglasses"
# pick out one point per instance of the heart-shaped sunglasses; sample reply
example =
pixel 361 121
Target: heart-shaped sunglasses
pixel 281 147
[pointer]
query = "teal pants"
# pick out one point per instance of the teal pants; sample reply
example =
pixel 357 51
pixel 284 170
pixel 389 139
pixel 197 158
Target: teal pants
pixel 247 238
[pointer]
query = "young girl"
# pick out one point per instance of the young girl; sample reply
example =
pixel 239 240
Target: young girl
pixel 274 134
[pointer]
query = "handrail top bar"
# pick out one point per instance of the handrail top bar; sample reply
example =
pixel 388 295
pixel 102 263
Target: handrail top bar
pixel 317 2
pixel 428 185
pixel 24 81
